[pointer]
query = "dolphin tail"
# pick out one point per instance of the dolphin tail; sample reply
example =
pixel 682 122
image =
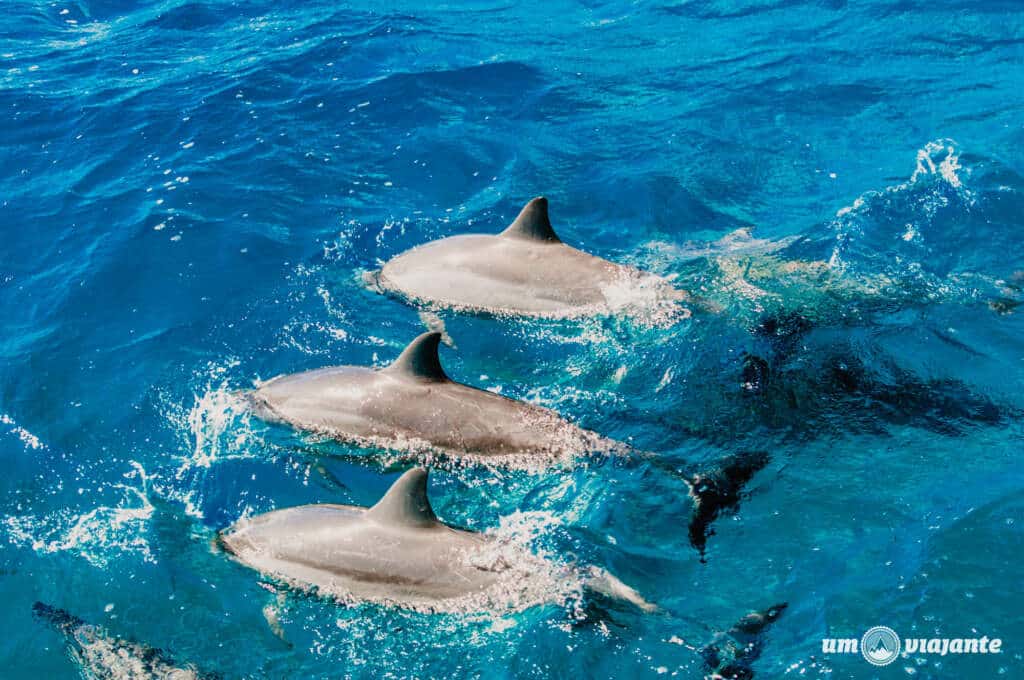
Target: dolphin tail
pixel 713 490
pixel 730 654
pixel 719 489
pixel 602 581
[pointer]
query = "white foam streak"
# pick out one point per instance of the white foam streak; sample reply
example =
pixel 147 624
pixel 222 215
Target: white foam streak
pixel 95 535
pixel 217 427
pixel 27 438
pixel 947 166
pixel 648 300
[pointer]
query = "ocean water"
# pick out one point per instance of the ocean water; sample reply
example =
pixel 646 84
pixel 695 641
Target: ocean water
pixel 192 191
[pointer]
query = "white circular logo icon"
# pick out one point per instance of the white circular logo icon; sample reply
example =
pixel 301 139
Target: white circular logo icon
pixel 880 645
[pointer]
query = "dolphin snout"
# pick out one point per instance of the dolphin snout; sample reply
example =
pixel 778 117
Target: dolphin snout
pixel 258 403
pixel 223 542
pixel 236 539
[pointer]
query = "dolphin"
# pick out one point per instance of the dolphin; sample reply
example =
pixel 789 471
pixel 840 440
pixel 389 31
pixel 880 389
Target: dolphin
pixel 717 490
pixel 412 404
pixel 731 654
pixel 100 656
pixel 526 270
pixel 399 553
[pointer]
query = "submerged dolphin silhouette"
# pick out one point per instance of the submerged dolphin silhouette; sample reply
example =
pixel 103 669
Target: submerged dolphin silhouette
pixel 731 653
pixel 525 270
pixel 101 656
pixel 398 552
pixel 413 404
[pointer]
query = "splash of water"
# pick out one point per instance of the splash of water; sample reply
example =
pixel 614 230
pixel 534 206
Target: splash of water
pixel 27 438
pixel 937 159
pixel 217 427
pixel 947 165
pixel 96 535
pixel 874 249
pixel 647 300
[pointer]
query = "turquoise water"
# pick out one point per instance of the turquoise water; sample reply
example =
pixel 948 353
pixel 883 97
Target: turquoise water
pixel 191 192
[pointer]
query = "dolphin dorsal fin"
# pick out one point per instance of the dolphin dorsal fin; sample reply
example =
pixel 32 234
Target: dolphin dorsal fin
pixel 533 223
pixel 406 502
pixel 420 359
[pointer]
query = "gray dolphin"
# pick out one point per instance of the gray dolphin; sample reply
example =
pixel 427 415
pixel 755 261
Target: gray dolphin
pixel 413 405
pixel 99 655
pixel 525 270
pixel 398 553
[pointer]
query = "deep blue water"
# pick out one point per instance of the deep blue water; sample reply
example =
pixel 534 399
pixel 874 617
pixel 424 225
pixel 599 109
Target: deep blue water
pixel 191 191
